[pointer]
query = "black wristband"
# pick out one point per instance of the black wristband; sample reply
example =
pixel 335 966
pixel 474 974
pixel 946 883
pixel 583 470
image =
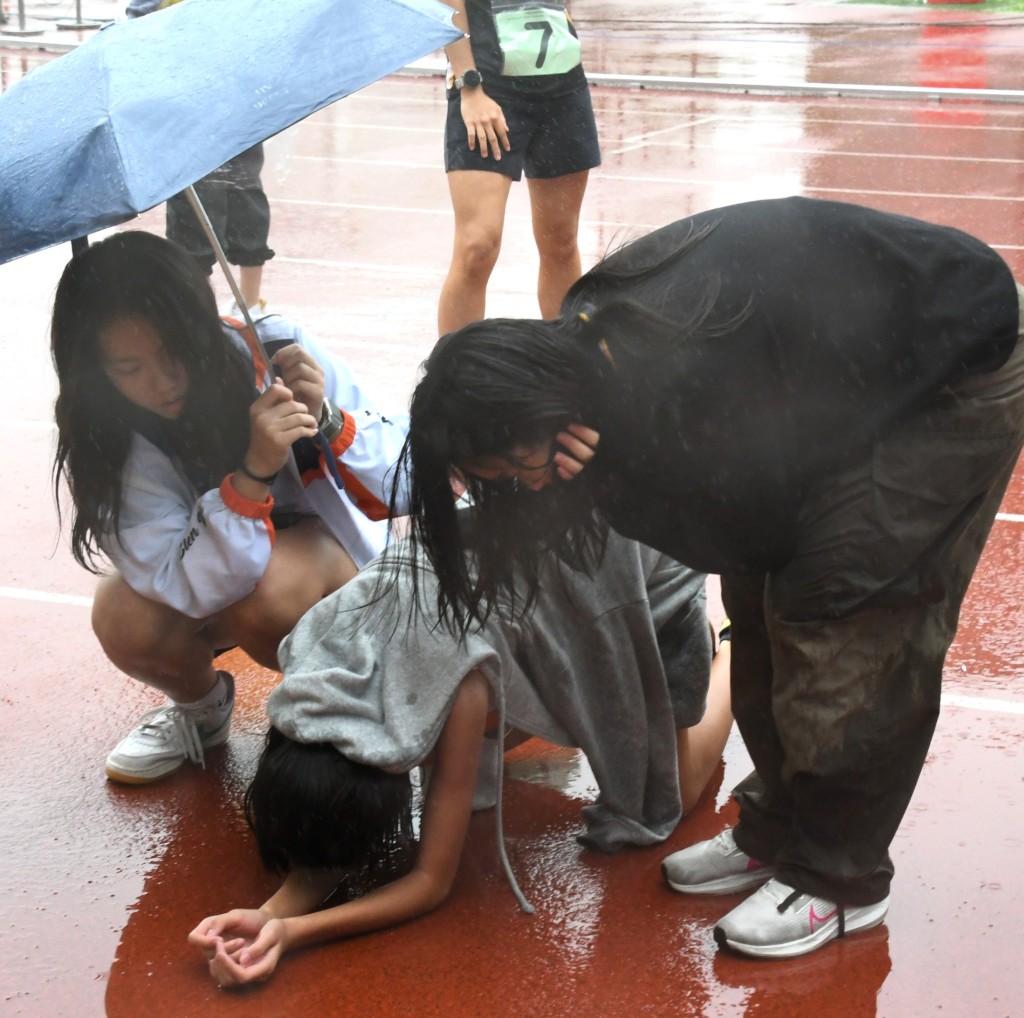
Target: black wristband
pixel 243 469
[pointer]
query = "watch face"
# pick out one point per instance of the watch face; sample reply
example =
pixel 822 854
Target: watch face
pixel 471 79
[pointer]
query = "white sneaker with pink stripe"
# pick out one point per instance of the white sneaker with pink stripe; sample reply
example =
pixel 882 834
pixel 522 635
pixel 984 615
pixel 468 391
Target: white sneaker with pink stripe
pixel 716 866
pixel 777 921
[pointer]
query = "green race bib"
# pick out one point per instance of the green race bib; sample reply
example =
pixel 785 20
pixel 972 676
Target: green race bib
pixel 535 39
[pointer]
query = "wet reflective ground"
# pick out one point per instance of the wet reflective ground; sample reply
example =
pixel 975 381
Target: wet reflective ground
pixel 101 883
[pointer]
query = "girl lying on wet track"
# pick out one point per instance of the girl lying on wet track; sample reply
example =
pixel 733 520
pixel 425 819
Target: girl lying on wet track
pixel 615 661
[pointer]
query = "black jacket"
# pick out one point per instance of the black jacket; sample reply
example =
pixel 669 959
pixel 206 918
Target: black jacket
pixel 839 322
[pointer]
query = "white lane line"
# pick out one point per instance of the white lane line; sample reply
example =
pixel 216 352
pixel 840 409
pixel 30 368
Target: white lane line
pixel 934 195
pixel 20 594
pixel 831 153
pixel 642 180
pixel 948 699
pixel 400 210
pixel 675 128
pixel 25 422
pixel 982 703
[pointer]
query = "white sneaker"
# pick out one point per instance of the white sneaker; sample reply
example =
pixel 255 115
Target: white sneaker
pixel 779 922
pixel 716 866
pixel 168 736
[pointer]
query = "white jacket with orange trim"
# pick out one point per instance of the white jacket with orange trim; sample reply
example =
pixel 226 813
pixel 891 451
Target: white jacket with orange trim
pixel 199 552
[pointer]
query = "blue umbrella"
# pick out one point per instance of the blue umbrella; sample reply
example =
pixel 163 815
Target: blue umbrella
pixel 147 107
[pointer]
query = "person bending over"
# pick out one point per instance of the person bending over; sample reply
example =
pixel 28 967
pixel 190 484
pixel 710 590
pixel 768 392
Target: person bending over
pixel 824 404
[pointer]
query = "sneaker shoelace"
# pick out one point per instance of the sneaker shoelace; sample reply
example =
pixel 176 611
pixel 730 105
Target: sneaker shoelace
pixel 840 911
pixel 726 844
pixel 173 723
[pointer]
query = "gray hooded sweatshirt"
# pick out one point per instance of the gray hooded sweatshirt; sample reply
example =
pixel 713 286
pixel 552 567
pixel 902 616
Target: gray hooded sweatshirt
pixel 611 663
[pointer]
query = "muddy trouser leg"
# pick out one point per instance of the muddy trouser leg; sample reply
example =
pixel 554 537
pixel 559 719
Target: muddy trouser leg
pixel 837 657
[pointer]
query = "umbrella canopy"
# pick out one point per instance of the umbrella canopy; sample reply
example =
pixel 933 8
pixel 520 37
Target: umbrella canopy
pixel 147 107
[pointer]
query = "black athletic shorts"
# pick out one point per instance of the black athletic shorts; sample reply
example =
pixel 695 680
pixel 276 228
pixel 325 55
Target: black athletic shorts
pixel 550 137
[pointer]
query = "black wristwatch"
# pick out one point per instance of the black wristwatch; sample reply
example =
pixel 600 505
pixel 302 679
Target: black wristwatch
pixel 331 421
pixel 469 79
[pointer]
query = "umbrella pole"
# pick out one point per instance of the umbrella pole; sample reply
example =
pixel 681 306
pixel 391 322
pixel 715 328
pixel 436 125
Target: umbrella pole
pixel 204 222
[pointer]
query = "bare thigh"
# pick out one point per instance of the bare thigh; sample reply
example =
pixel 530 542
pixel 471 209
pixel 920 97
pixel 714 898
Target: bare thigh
pixel 306 565
pixel 478 198
pixel 555 204
pixel 154 643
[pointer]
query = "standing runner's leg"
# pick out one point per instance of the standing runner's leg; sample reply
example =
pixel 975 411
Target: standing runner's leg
pixel 555 205
pixel 478 198
pixel 250 283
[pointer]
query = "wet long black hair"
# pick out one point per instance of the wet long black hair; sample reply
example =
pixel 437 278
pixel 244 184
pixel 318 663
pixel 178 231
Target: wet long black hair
pixel 308 805
pixel 501 383
pixel 477 398
pixel 139 275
